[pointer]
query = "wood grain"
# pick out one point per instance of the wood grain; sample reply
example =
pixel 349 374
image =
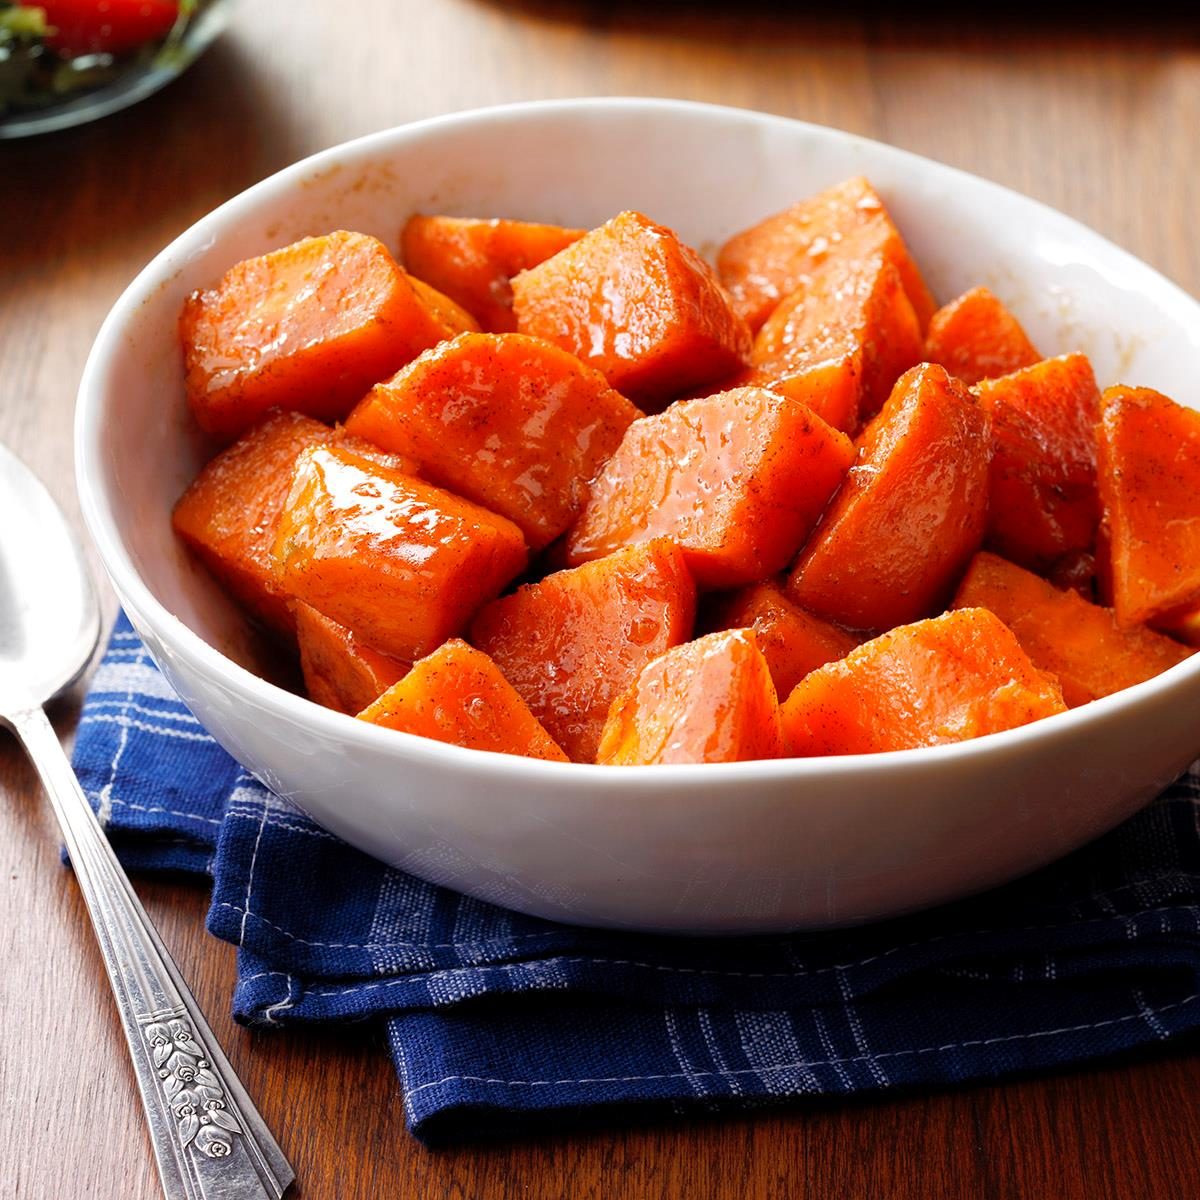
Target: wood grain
pixel 1097 119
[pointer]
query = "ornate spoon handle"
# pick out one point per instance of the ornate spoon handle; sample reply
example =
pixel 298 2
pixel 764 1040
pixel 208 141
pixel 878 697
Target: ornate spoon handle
pixel 209 1140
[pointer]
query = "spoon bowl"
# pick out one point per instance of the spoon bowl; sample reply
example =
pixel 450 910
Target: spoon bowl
pixel 49 614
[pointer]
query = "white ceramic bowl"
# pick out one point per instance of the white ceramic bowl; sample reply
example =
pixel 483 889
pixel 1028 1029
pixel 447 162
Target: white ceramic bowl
pixel 735 847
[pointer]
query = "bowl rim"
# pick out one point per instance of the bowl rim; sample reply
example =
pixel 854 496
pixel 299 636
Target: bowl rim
pixel 208 661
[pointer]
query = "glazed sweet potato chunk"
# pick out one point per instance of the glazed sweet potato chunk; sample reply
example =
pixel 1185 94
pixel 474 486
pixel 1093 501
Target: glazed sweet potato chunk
pixel 472 261
pixel 736 480
pixel 637 304
pixel 1043 502
pixel 508 421
pixel 339 671
pixel 851 332
pixel 1149 477
pixel 762 265
pixel 230 513
pixel 948 679
pixel 574 641
pixel 310 328
pixel 711 700
pixel 792 641
pixel 975 337
pixel 457 695
pixel 1061 632
pixel 832 388
pixel 401 563
pixel 893 541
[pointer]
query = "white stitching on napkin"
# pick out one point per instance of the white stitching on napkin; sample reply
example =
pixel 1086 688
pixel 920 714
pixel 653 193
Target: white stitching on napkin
pixel 856 1029
pixel 250 877
pixel 280 1005
pixel 261 975
pixel 621 962
pixel 185 717
pixel 255 814
pixel 127 723
pixel 157 808
pixel 104 808
pixel 794 1066
pixel 1144 1010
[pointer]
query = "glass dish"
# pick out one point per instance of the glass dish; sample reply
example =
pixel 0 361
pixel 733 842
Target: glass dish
pixel 133 82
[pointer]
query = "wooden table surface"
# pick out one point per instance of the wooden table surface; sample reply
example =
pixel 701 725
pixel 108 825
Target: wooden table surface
pixel 1097 119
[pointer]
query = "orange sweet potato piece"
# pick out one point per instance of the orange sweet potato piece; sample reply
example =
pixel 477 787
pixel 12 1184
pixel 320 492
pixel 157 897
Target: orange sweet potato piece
pixel 401 563
pixel 452 317
pixel 1149 479
pixel 574 641
pixel 975 337
pixel 762 265
pixel 457 695
pixel 1043 502
pixel 831 389
pixel 948 679
pixel 339 671
pixel 893 541
pixel 230 513
pixel 1062 633
pixel 711 700
pixel 637 304
pixel 310 327
pixel 736 480
pixel 508 421
pixel 851 332
pixel 472 261
pixel 792 641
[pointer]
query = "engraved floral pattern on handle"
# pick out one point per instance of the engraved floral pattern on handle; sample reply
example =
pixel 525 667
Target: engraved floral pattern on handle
pixel 194 1094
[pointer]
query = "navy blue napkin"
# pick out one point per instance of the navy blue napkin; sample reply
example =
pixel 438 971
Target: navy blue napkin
pixel 499 1022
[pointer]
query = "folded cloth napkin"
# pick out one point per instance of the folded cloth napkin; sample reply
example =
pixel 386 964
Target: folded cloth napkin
pixel 500 1022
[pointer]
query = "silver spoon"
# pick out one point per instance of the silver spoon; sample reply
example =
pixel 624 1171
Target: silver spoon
pixel 209 1139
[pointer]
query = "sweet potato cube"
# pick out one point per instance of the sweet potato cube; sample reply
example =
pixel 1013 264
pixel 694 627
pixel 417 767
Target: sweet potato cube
pixel 577 639
pixel 711 700
pixel 637 304
pixel 764 264
pixel 472 261
pixel 852 324
pixel 736 480
pixel 230 513
pixel 340 672
pixel 508 421
pixel 402 564
pixel 458 695
pixel 310 327
pixel 975 337
pixel 948 679
pixel 1043 502
pixel 1149 477
pixel 832 389
pixel 1062 633
pixel 894 540
pixel 792 641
